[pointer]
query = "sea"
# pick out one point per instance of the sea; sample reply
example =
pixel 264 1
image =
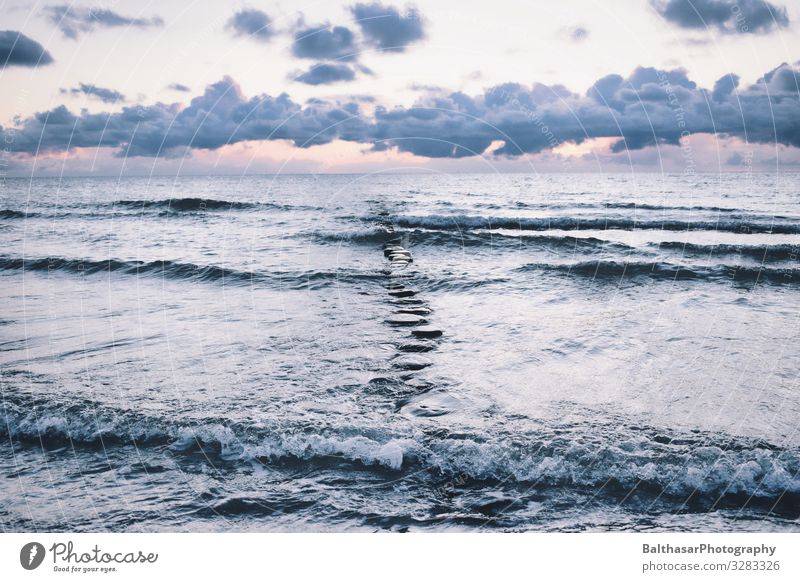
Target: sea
pixel 400 352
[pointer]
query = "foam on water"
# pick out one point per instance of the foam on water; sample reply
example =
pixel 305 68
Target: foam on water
pixel 680 466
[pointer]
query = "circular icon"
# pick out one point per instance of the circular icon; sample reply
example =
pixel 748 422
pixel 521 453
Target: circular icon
pixel 31 555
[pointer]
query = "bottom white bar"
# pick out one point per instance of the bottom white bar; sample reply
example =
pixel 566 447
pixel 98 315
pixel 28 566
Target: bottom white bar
pixel 378 558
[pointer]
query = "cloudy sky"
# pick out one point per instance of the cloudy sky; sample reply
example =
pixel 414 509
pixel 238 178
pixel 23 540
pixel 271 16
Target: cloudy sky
pixel 201 87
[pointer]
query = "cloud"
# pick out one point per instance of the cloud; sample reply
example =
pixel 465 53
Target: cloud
pixel 324 42
pixel 252 23
pixel 72 20
pixel 326 73
pixel 647 107
pixel 735 159
pixel 727 16
pixel 179 87
pixel 385 28
pixel 782 78
pixel 16 49
pixel 577 34
pixel 724 87
pixel 104 95
pixel 332 46
pixel 220 116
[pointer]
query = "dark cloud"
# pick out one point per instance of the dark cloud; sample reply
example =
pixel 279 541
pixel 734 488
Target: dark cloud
pixel 724 87
pixel 179 87
pixel 221 115
pixel 252 23
pixel 578 34
pixel 648 107
pixel 16 49
pixel 335 43
pixel 727 16
pixel 104 95
pixel 326 73
pixel 783 78
pixel 72 20
pixel 386 28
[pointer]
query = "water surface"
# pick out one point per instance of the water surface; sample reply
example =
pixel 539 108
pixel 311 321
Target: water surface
pixel 212 354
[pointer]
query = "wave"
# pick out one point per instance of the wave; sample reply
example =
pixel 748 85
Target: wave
pixel 188 271
pixel 615 205
pixel 645 206
pixel 185 204
pixel 83 422
pixel 375 235
pixel 8 214
pixel 607 269
pixel 461 222
pixel 468 239
pixel 166 207
pixel 560 456
pixel 203 204
pixel 766 252
pixel 173 270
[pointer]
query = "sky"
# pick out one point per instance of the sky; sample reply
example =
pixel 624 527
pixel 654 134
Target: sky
pixel 191 87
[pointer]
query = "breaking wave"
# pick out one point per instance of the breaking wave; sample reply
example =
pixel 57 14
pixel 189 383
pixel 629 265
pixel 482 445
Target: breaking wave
pixel 628 458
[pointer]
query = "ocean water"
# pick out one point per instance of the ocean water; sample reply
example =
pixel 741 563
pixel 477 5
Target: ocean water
pixel 618 352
